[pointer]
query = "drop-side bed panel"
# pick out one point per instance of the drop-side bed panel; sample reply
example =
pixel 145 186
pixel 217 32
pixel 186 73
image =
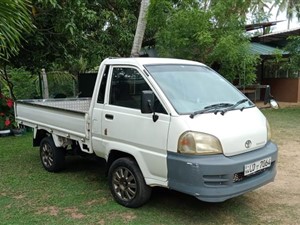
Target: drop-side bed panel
pixel 67 116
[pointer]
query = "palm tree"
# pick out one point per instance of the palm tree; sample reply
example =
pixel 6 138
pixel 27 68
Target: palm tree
pixel 140 28
pixel 14 19
pixel 290 7
pixel 261 6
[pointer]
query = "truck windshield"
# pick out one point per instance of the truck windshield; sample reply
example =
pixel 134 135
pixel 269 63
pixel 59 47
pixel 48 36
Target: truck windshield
pixel 194 89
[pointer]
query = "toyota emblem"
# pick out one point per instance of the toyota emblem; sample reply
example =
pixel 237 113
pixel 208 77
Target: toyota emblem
pixel 248 144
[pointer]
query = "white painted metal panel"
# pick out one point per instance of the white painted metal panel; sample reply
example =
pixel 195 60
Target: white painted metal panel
pixel 137 134
pixel 57 115
pixel 233 129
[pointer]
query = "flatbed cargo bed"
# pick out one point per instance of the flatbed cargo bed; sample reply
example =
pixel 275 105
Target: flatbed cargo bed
pixel 67 117
pixel 71 104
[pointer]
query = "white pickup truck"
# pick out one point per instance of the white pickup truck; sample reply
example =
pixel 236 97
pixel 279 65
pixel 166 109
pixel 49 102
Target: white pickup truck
pixel 159 122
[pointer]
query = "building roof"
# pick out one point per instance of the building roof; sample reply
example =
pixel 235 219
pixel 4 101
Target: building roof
pixel 280 34
pixel 277 37
pixel 265 50
pixel 263 25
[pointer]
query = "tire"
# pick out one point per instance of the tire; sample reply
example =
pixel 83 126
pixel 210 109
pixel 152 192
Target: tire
pixel 127 184
pixel 52 158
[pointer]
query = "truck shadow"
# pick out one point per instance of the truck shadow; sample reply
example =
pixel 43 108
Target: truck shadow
pixel 79 164
pixel 189 210
pixel 162 198
pixel 171 207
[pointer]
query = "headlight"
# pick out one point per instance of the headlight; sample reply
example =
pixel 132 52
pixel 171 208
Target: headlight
pixel 199 144
pixel 268 131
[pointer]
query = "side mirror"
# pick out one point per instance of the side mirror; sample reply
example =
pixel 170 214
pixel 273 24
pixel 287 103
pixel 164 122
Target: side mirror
pixel 269 98
pixel 147 104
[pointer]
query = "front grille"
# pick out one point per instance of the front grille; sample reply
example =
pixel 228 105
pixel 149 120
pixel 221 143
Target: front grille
pixel 215 180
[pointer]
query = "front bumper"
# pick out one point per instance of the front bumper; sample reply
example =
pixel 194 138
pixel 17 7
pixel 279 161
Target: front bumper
pixel 216 178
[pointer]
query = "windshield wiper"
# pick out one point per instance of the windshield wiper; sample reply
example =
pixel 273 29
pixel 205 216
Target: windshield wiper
pixel 216 108
pixel 218 105
pixel 233 106
pixel 211 108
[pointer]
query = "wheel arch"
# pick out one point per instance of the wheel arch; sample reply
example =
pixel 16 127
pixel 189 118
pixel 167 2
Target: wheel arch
pixel 39 135
pixel 116 154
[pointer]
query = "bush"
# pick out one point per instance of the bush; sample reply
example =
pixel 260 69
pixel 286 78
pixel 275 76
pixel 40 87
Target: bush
pixel 6 112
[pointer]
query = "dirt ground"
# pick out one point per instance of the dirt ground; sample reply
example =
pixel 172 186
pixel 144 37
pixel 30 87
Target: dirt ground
pixel 283 196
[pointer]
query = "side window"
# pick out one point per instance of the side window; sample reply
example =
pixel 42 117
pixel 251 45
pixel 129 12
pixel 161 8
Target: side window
pixel 126 87
pixel 102 89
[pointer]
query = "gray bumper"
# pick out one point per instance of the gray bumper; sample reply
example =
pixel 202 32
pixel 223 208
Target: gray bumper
pixel 211 178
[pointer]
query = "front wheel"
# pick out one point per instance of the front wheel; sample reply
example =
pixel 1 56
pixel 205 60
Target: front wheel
pixel 127 183
pixel 52 158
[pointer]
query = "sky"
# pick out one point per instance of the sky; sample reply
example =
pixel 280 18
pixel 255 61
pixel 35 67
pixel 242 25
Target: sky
pixel 283 25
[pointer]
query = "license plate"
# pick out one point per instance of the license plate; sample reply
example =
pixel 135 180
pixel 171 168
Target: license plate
pixel 256 166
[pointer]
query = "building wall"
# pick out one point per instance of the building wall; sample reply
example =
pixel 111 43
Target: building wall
pixel 284 89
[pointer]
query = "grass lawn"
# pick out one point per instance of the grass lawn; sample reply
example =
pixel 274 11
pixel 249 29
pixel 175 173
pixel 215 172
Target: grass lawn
pixel 80 194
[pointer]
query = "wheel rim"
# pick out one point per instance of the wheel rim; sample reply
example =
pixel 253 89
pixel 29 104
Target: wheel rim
pixel 47 155
pixel 124 184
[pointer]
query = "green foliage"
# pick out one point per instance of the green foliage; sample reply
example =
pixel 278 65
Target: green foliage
pixel 60 82
pixel 260 11
pixel 158 13
pixel 181 36
pixel 290 7
pixel 25 84
pixel 235 60
pixel 293 47
pixel 14 20
pixel 213 35
pixel 78 34
pixel 74 36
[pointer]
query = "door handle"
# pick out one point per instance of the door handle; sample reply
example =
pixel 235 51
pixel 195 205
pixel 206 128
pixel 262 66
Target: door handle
pixel 109 116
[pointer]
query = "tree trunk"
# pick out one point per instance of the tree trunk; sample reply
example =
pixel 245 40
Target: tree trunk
pixel 45 84
pixel 140 29
pixel 9 84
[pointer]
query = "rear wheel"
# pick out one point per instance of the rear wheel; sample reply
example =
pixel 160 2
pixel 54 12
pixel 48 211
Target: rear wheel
pixel 52 158
pixel 127 183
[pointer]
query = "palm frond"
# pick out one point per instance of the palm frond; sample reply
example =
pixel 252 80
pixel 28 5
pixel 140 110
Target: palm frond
pixel 14 20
